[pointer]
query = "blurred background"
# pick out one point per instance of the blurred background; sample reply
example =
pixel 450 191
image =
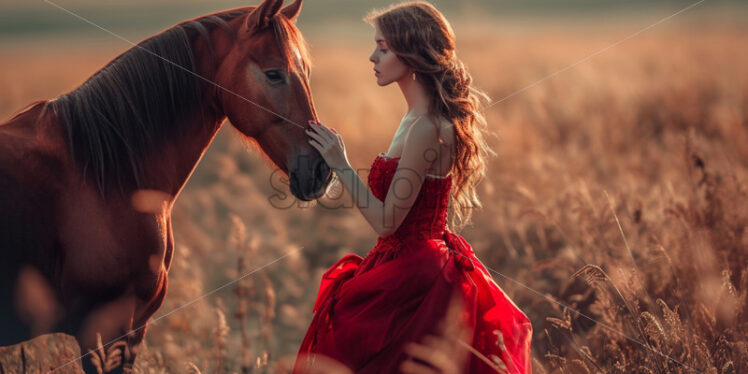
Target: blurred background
pixel 619 188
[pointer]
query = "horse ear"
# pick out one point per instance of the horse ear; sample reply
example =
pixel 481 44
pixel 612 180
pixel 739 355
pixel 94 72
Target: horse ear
pixel 260 17
pixel 292 11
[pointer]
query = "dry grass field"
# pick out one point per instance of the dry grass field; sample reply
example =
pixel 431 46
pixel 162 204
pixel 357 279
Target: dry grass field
pixel 619 192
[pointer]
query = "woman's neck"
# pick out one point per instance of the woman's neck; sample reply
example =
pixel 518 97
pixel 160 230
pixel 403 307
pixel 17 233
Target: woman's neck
pixel 415 95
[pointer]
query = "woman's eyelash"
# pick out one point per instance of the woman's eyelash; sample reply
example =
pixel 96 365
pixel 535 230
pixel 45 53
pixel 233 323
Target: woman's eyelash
pixel 383 50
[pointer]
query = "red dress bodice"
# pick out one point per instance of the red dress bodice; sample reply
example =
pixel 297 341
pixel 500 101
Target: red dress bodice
pixel 425 222
pixel 368 308
pixel 428 216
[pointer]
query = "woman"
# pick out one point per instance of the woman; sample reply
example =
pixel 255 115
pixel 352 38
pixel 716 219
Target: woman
pixel 372 313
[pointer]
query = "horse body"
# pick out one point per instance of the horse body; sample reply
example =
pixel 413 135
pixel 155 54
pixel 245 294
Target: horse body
pixel 106 275
pixel 27 234
pixel 85 220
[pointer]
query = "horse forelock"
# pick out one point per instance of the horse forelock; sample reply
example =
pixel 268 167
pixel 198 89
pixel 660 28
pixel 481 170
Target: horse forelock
pixel 291 43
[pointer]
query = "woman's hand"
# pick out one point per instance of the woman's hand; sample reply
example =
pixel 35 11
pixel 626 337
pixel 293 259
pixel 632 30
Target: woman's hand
pixel 329 144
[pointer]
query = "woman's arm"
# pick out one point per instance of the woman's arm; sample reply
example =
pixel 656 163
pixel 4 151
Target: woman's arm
pixel 385 217
pixel 370 207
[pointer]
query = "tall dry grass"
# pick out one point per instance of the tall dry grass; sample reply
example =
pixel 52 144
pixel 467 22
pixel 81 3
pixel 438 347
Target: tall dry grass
pixel 619 191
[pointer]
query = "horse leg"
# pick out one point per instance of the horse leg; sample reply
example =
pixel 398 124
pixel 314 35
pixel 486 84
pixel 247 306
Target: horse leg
pixel 133 346
pixel 123 351
pixel 111 335
pixel 105 335
pixel 110 357
pixel 138 329
pixel 138 334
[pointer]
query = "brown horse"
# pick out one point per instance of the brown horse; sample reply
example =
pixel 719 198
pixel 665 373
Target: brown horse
pixel 88 180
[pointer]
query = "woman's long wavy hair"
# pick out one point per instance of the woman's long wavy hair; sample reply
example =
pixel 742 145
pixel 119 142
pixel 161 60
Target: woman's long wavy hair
pixel 424 40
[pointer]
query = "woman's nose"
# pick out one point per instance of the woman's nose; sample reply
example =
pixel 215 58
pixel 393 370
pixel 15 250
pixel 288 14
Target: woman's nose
pixel 371 58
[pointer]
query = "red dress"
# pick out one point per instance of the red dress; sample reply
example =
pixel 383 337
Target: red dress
pixel 368 308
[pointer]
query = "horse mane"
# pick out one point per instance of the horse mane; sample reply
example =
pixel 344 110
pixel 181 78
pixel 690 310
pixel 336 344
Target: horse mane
pixel 138 101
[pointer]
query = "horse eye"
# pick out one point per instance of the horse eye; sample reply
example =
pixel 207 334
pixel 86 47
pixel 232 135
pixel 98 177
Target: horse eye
pixel 274 76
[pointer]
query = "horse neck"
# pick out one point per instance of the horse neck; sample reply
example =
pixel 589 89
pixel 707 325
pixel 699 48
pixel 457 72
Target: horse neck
pixel 174 163
pixel 170 167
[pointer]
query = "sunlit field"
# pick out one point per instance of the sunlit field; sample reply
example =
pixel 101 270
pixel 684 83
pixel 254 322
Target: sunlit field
pixel 615 211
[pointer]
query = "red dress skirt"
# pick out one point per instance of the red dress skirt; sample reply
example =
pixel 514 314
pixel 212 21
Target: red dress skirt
pixel 367 309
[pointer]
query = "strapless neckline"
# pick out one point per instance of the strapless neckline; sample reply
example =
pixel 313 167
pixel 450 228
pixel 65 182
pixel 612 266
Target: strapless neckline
pixel 384 156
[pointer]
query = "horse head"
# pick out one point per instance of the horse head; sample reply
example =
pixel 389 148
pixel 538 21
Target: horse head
pixel 268 97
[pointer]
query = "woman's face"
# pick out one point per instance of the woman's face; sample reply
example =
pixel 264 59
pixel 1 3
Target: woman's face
pixel 387 66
